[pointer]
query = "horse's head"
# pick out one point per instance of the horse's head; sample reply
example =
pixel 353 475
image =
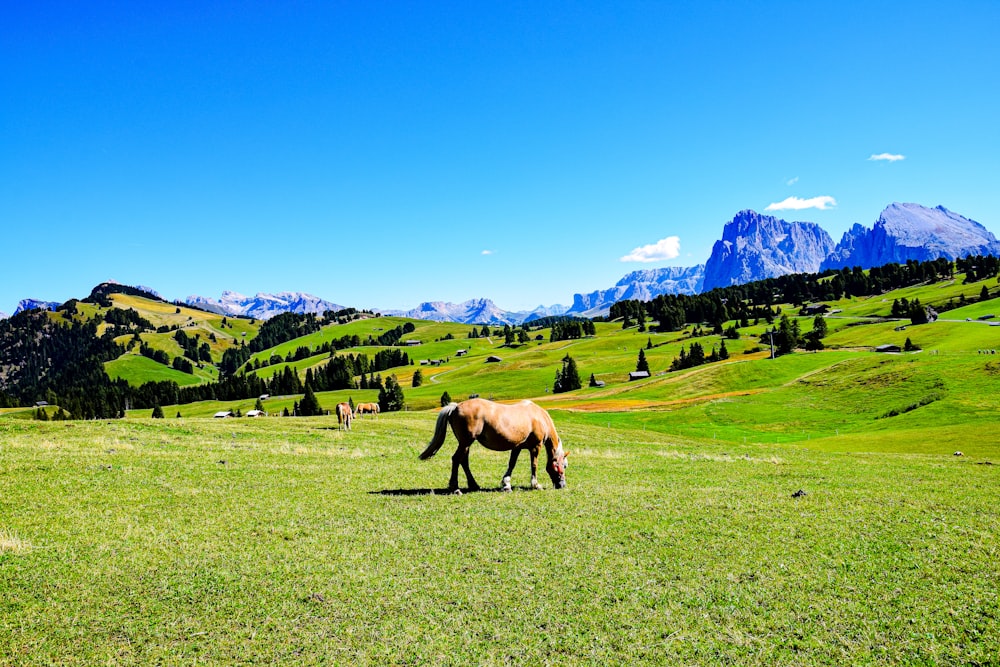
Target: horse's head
pixel 557 471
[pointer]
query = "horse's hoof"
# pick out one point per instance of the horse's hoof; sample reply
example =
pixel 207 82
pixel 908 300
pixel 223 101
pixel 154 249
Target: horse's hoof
pixel 506 487
pixel 456 492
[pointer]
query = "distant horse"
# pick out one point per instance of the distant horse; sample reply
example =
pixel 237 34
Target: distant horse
pixel 344 416
pixel 501 428
pixel 366 409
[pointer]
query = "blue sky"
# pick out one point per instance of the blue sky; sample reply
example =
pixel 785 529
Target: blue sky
pixel 383 154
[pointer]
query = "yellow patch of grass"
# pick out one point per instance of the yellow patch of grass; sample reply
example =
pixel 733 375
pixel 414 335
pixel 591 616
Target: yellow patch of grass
pixel 11 543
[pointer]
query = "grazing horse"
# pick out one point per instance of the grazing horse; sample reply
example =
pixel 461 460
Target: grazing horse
pixel 366 409
pixel 344 416
pixel 501 428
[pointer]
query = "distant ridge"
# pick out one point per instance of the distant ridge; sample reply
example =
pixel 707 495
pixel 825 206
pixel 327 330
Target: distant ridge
pixel 911 231
pixel 753 247
pixel 473 311
pixel 643 285
pixel 31 304
pixel 263 306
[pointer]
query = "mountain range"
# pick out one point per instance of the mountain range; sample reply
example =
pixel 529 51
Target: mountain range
pixel 478 311
pixel 753 247
pixel 910 231
pixel 263 306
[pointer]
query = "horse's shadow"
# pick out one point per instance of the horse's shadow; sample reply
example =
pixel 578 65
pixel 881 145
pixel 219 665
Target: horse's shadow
pixel 440 492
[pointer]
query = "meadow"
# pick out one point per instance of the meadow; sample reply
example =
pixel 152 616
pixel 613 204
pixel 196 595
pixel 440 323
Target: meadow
pixel 287 541
pixel 831 507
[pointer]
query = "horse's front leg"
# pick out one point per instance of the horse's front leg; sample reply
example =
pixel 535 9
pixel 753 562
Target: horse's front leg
pixel 534 470
pixel 505 482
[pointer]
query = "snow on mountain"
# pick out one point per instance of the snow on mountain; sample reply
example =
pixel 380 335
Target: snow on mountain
pixel 911 231
pixel 263 306
pixel 473 311
pixel 755 247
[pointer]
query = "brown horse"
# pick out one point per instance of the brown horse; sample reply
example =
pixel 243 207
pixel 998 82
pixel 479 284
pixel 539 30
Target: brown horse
pixel 344 416
pixel 366 409
pixel 501 428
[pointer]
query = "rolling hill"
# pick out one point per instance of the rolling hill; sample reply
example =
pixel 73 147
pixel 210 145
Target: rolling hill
pixel 463 360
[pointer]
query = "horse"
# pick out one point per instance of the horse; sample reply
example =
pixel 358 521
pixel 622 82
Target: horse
pixel 344 416
pixel 501 428
pixel 366 408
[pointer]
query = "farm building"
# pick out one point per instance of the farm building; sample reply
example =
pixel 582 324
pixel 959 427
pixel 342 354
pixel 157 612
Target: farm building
pixel 637 375
pixel 492 359
pixel 461 353
pixel 814 309
pixel 222 415
pixel 256 413
pixel 888 348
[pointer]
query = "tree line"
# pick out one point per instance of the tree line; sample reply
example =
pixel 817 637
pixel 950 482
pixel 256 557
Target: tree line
pixel 757 300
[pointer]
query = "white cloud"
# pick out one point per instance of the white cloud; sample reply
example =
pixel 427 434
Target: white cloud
pixel 888 157
pixel 792 181
pixel 823 203
pixel 664 249
pixel 487 252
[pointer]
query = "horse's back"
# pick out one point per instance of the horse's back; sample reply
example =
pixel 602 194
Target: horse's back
pixel 503 427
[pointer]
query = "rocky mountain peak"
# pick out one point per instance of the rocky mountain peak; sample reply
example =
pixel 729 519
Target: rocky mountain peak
pixel 755 246
pixel 910 231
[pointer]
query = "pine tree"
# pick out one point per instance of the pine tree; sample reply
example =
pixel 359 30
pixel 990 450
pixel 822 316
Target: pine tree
pixel 642 364
pixel 157 411
pixel 820 326
pixel 568 377
pixel 418 378
pixel 445 399
pixel 390 397
pixel 309 407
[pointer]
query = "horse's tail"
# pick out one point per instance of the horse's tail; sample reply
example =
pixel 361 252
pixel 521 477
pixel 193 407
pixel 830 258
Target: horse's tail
pixel 440 431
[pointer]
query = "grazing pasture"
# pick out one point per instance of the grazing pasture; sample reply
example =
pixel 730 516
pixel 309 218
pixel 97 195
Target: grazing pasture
pixel 182 541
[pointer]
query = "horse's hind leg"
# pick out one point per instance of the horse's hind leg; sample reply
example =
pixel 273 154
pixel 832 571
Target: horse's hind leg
pixel 505 482
pixel 461 458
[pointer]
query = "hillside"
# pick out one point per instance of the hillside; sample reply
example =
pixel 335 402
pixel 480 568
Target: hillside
pixel 350 360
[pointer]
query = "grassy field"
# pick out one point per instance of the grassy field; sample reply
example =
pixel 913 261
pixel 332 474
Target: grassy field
pixel 139 370
pixel 288 541
pixel 809 509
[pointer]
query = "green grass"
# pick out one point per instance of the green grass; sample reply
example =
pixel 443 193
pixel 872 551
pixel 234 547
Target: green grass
pixel 138 369
pixel 287 541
